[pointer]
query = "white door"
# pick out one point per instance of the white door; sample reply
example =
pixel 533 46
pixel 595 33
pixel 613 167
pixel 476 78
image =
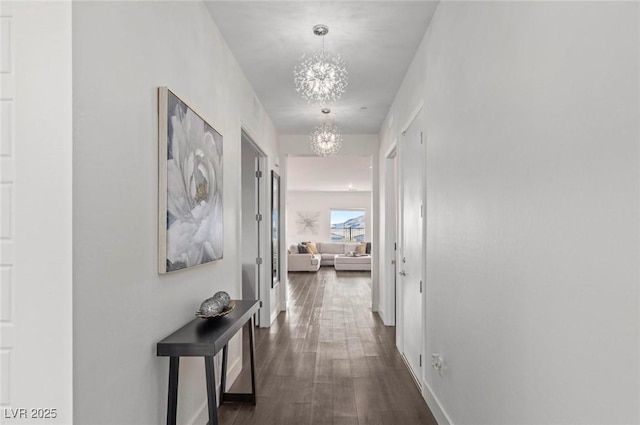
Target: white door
pixel 35 171
pixel 411 252
pixel 7 196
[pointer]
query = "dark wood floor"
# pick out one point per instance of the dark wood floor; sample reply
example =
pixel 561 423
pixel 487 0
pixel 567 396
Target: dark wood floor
pixel 328 360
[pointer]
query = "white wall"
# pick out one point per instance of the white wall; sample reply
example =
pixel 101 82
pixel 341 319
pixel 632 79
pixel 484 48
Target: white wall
pixel 36 211
pixel 532 209
pixel 122 52
pixel 323 202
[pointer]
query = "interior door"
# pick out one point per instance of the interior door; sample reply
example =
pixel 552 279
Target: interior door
pixel 251 220
pixel 7 208
pixel 411 255
pixel 258 229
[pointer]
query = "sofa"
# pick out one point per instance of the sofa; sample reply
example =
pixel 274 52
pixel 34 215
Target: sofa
pixel 349 262
pixel 297 262
pixel 334 254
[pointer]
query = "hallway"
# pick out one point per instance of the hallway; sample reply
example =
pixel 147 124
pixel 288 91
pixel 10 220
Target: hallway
pixel 329 360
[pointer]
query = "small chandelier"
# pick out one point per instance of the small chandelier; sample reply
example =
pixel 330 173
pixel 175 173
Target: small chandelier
pixel 320 78
pixel 326 139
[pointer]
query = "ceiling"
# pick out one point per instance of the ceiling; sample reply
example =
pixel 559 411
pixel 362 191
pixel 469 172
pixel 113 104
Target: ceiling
pixel 329 174
pixel 376 39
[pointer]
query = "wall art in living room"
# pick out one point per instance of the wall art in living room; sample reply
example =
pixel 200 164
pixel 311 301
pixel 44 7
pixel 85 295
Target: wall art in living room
pixel 190 225
pixel 308 221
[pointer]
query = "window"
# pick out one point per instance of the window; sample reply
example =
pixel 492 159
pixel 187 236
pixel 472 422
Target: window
pixel 347 225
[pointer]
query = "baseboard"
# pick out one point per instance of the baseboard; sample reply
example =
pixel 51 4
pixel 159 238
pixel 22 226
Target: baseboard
pixel 382 314
pixel 274 316
pixel 375 308
pixel 434 405
pixel 201 416
pixel 233 372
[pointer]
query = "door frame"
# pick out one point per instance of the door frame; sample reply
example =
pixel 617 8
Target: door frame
pixel 419 109
pixel 264 239
pixel 390 286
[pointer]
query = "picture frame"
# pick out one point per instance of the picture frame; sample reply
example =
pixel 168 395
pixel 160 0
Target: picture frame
pixel 190 183
pixel 275 229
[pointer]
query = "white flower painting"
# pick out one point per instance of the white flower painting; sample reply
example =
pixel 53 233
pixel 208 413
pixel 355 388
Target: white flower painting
pixel 191 231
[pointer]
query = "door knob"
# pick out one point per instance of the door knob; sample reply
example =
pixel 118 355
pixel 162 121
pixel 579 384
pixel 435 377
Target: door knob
pixel 404 260
pixel 402 273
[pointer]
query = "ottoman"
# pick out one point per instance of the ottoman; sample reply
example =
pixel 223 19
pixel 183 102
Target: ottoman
pixel 345 262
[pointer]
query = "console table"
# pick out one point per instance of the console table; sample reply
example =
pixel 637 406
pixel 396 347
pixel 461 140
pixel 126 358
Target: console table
pixel 205 338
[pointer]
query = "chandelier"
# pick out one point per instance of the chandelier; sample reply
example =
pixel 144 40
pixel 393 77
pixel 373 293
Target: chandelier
pixel 326 139
pixel 320 77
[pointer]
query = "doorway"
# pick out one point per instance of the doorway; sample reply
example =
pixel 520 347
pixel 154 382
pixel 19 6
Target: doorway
pixel 252 201
pixel 411 249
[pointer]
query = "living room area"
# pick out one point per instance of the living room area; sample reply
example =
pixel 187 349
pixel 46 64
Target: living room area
pixel 328 214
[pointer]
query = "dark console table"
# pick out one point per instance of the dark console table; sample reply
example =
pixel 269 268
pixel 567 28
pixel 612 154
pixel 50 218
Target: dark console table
pixel 206 338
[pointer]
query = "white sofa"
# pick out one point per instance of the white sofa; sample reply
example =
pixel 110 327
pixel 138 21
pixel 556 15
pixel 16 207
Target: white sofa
pixel 302 262
pixel 327 254
pixel 329 250
pixel 345 262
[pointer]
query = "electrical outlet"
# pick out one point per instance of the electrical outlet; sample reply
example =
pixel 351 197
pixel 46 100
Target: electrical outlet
pixel 437 363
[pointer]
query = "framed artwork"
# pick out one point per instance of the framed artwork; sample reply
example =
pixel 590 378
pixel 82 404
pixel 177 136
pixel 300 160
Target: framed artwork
pixel 308 221
pixel 190 231
pixel 275 228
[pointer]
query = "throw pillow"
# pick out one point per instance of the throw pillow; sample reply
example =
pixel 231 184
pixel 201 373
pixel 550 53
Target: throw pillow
pixel 302 249
pixel 312 246
pixel 361 248
pixel 309 250
pixel 368 250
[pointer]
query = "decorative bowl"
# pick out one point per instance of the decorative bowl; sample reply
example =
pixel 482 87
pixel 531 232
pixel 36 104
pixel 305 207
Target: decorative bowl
pixel 224 312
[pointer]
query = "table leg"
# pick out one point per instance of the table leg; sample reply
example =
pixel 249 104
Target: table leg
pixel 252 356
pixel 223 378
pixel 172 402
pixel 211 390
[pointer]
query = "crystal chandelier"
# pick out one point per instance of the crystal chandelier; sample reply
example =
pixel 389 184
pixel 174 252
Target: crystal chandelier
pixel 326 139
pixel 320 78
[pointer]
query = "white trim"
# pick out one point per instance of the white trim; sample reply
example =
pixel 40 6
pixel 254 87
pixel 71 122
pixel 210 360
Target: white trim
pixel 244 128
pixel 423 143
pixel 275 313
pixel 435 406
pixel 233 372
pixel 284 262
pixel 265 242
pixel 412 117
pixel 382 315
pixel 393 150
pixel 391 184
pixel 201 416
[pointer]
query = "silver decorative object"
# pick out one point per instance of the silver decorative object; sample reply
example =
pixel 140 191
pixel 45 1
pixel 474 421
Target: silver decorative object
pixel 211 306
pixel 326 139
pixel 223 297
pixel 218 305
pixel 320 77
